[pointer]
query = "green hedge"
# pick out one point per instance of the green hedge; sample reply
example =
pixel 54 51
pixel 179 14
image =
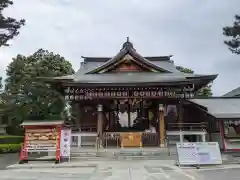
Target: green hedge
pixel 10 148
pixel 11 139
pixel 10 144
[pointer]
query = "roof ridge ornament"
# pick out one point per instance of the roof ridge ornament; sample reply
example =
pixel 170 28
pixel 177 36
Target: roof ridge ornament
pixel 127 45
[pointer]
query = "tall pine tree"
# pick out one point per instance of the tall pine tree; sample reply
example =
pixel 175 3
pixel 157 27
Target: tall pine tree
pixel 9 27
pixel 234 33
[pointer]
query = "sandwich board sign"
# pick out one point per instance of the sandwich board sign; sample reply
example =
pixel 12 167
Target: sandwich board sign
pixel 187 153
pixel 208 153
pixel 200 153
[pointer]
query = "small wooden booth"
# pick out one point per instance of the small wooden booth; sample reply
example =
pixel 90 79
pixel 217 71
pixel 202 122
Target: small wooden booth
pixel 41 136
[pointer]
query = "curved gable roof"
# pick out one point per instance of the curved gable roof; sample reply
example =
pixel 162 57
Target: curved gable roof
pixel 128 49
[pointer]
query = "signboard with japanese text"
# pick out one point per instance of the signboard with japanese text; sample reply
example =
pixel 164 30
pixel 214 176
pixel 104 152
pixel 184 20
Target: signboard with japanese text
pixel 187 153
pixel 65 142
pixel 199 153
pixel 208 153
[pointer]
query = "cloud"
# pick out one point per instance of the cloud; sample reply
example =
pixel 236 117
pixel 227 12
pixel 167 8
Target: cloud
pixel 191 30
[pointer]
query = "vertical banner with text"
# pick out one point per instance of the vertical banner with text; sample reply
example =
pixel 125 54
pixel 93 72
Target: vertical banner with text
pixel 65 142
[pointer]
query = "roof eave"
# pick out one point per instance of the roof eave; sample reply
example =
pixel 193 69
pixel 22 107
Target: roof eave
pixel 54 79
pixel 129 84
pixel 202 81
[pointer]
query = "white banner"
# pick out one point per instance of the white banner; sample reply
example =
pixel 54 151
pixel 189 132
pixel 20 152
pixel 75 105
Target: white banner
pixel 65 142
pixel 199 153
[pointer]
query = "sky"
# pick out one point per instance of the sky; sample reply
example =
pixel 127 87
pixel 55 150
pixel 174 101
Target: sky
pixel 190 30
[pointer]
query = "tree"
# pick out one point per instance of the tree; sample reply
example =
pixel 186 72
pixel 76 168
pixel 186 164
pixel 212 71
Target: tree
pixel 203 92
pixel 1 101
pixel 0 83
pixel 233 32
pixel 9 27
pixel 29 97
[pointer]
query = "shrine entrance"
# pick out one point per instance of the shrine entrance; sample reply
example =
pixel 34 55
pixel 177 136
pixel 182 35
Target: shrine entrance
pixel 132 124
pixel 122 101
pixel 123 122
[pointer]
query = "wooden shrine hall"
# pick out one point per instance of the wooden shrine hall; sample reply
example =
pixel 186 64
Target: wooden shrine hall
pixel 131 100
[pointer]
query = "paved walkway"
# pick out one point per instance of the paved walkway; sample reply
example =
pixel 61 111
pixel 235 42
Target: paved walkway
pixel 8 159
pixel 118 170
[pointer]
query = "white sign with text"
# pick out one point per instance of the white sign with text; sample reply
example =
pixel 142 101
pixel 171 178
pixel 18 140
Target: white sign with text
pixel 199 153
pixel 65 142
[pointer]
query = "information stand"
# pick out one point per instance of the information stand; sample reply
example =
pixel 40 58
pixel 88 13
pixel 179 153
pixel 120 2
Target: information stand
pixel 200 153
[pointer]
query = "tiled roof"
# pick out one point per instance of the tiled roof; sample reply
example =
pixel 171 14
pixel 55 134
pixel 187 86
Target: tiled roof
pixel 225 108
pixel 162 67
pixel 42 123
pixel 233 93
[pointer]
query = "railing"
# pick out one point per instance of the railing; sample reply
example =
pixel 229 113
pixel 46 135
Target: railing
pixel 83 138
pixel 150 139
pixel 187 126
pixel 111 139
pixel 84 128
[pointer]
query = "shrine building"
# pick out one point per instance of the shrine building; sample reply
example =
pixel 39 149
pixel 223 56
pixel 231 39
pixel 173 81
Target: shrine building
pixel 130 100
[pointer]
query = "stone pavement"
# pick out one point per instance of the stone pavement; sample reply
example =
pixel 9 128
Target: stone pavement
pixel 8 159
pixel 220 174
pixel 118 170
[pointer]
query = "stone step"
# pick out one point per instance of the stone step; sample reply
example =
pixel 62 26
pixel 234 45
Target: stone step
pixel 83 154
pixel 93 158
pixel 121 154
pixel 139 153
pixel 146 158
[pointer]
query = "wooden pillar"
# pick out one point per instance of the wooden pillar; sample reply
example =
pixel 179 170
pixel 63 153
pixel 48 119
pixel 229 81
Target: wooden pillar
pixel 180 114
pixel 100 122
pixel 161 126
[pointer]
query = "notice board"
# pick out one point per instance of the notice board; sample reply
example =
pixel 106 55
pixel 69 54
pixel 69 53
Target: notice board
pixel 200 153
pixel 41 139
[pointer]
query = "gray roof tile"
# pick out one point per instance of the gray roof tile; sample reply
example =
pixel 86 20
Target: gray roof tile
pixel 221 107
pixel 167 70
pixel 233 93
